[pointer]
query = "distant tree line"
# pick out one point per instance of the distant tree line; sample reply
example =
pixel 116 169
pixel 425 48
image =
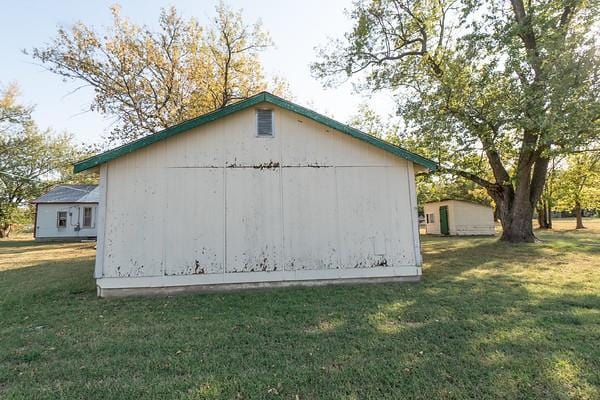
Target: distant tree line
pixel 31 159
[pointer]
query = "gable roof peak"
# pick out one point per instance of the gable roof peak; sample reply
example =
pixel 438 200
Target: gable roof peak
pixel 258 98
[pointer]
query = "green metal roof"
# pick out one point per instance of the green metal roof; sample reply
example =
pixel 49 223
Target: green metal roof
pixel 263 97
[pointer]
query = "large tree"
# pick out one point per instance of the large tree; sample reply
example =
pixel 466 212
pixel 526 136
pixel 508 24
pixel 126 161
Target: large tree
pixel 149 80
pixel 509 83
pixel 31 159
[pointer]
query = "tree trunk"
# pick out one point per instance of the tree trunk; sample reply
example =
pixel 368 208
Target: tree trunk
pixel 518 228
pixel 516 198
pixel 541 221
pixel 496 214
pixel 578 216
pixel 5 230
pixel 544 217
pixel 516 215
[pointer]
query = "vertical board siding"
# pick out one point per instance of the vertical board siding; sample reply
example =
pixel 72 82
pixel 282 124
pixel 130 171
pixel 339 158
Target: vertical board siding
pixel 381 238
pixel 473 219
pixel 193 222
pixel 310 228
pixel 414 215
pixel 123 226
pixel 101 223
pixel 242 148
pixel 253 216
pixel 219 200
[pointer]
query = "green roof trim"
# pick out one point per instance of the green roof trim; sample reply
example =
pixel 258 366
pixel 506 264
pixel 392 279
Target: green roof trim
pixel 262 97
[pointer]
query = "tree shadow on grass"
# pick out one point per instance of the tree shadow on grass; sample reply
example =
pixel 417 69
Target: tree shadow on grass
pixel 23 247
pixel 41 281
pixel 463 253
pixel 15 243
pixel 470 329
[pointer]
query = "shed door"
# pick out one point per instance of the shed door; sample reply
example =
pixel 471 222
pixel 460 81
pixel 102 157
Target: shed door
pixel 444 229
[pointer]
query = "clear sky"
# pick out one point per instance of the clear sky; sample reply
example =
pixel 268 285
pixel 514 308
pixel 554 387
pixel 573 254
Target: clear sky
pixel 296 27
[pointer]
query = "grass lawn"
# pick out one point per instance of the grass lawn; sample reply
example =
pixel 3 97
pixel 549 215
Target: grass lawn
pixel 487 321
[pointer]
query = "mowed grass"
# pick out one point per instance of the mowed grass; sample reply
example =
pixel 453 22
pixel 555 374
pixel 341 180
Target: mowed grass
pixel 487 321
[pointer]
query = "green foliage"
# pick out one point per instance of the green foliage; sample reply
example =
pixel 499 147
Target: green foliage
pixel 439 187
pixel 429 187
pixel 578 184
pixel 150 80
pixel 493 89
pixel 368 121
pixel 11 112
pixel 31 159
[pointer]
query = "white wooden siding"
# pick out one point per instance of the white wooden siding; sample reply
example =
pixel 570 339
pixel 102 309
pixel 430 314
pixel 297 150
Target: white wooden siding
pixel 464 218
pixel 218 200
pixel 46 221
pixel 310 219
pixel 193 222
pixel 254 230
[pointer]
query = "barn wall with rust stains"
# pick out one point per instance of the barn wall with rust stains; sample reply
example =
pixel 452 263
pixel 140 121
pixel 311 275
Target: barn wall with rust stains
pixel 219 204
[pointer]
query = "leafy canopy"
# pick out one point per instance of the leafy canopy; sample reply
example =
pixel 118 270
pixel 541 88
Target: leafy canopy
pixel 149 80
pixel 31 159
pixel 429 187
pixel 578 184
pixel 464 79
pixel 492 89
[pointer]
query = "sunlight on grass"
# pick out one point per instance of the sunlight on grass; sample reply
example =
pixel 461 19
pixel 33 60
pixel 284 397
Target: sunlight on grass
pixel 488 320
pixel 18 252
pixel 567 225
pixel 390 318
pixel 326 326
pixel 205 390
pixel 568 376
pixel 495 358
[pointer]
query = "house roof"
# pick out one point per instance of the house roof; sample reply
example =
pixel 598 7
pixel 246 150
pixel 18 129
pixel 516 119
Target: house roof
pixel 70 194
pixel 262 97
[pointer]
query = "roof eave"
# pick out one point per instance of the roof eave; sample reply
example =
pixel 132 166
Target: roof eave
pixel 251 101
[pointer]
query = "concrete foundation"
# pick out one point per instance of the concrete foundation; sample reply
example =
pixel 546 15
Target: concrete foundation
pixel 173 290
pixel 66 239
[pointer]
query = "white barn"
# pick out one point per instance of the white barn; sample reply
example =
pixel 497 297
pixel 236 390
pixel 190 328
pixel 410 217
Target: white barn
pixel 66 212
pixel 262 192
pixel 458 218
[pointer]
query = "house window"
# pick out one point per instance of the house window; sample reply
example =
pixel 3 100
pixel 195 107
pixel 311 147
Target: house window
pixel 429 218
pixel 87 217
pixel 264 122
pixel 61 219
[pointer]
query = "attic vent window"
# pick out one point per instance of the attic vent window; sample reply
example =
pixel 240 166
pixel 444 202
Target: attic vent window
pixel 264 122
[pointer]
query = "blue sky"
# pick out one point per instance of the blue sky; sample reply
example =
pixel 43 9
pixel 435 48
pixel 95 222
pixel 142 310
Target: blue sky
pixel 296 28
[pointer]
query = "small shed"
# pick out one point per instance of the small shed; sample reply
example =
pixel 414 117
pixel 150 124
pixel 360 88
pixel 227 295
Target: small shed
pixel 262 192
pixel 66 212
pixel 458 218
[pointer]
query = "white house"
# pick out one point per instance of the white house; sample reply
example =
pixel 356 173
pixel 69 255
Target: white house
pixel 458 218
pixel 262 192
pixel 66 212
